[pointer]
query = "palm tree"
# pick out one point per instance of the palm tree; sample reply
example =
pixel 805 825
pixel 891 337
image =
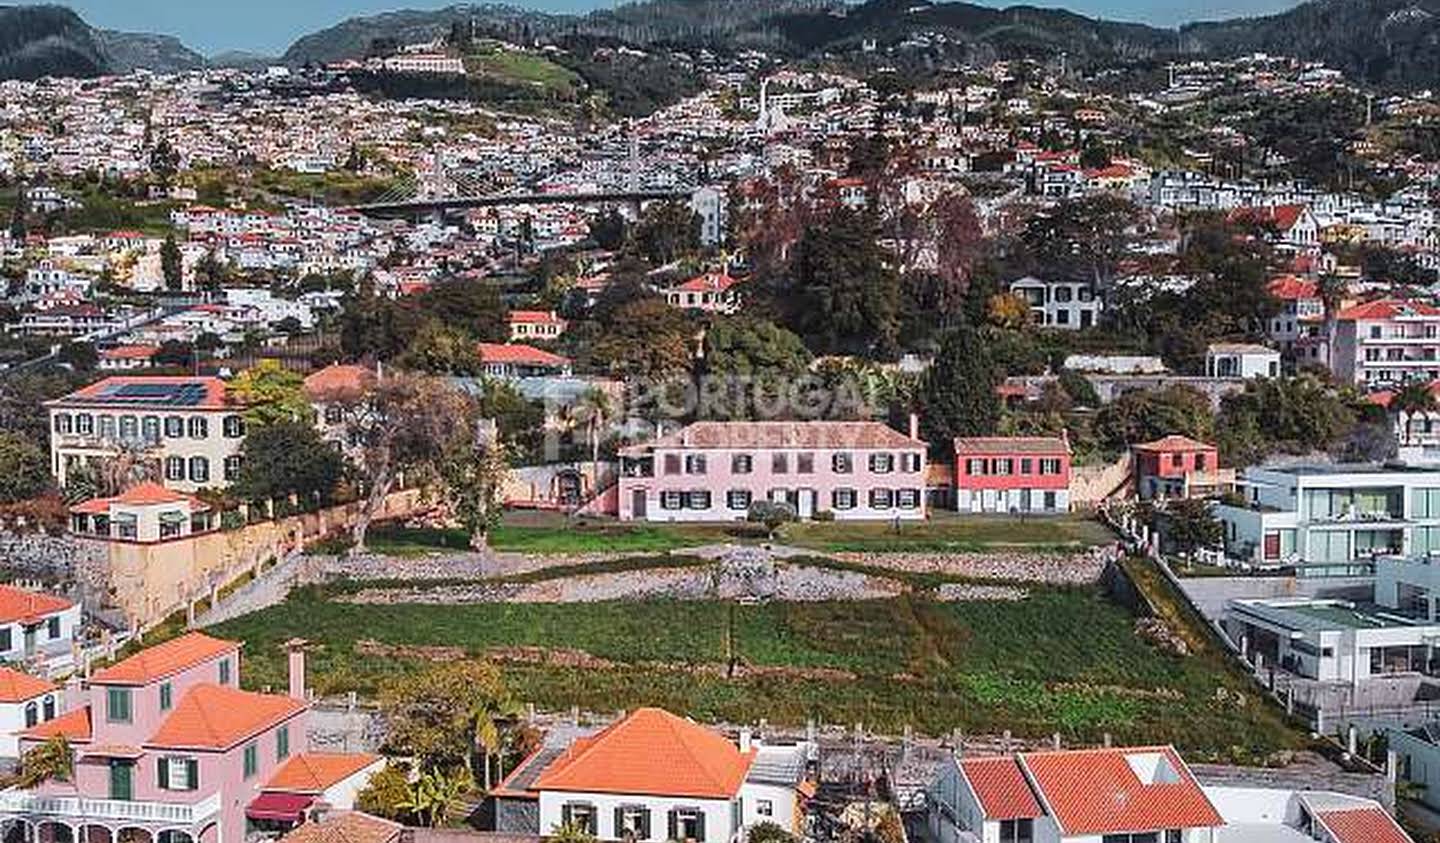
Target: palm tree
pixel 50 761
pixel 1413 399
pixel 435 793
pixel 594 408
pixel 490 714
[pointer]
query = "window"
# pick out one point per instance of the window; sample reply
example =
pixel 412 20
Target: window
pixel 174 427
pixel 282 743
pixel 672 500
pixel 1017 831
pixel 107 427
pixel 122 779
pixel 150 430
pixel 1063 294
pixel 1136 837
pixel 842 499
pixel 632 821
pixel 738 499
pixel 579 816
pixel 1200 462
pixel 334 414
pixel 975 467
pixel 174 468
pixel 167 696
pixel 252 759
pixel 1173 835
pixel 881 498
pixel 779 464
pixel 741 464
pixel 224 671
pixel 842 463
pixel 234 427
pixel 764 808
pixel 84 424
pixel 6 642
pixel 687 824
pixel 178 773
pixel 1050 466
pixel 698 499
pixel 50 707
pixel 882 463
pixel 198 427
pixel 52 627
pixel 171 524
pixel 117 705
pixel 1004 467
pixel 32 715
pixel 907 498
pixel 129 428
pixel 695 464
pixel 804 463
pixel 232 467
pixel 1026 465
pixel 199 470
pixel 126 526
pixel 63 423
pixel 672 463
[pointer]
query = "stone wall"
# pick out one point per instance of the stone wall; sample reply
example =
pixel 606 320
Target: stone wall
pixel 39 555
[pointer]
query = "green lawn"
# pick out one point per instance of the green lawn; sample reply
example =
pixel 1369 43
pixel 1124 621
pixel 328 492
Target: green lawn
pixel 558 538
pixel 1063 659
pixel 522 68
pixel 946 531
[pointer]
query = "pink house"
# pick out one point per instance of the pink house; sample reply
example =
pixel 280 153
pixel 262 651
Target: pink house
pixel 714 471
pixel 166 749
pixel 1012 474
pixel 1177 467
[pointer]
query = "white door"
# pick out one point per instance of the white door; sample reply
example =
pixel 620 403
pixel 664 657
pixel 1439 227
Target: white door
pixel 806 505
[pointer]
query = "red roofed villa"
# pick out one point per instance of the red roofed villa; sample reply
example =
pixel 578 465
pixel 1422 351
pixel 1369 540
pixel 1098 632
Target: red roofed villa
pixel 713 292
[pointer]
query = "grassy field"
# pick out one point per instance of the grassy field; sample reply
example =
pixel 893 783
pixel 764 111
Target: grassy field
pixel 513 67
pixel 550 533
pixel 1063 660
pixel 949 532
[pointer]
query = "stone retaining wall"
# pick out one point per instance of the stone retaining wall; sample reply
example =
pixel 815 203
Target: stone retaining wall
pixel 1055 568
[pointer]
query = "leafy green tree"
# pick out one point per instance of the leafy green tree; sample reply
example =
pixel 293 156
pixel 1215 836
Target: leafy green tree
pixel 434 715
pixel 1081 238
pixel 667 232
pixel 608 230
pixel 1190 525
pixel 768 832
pixel 1144 415
pixel 473 472
pixel 441 350
pixel 386 794
pixel 746 347
pixel 848 297
pixel 1081 392
pixel 594 410
pixel 436 793
pixel 957 395
pixel 1415 399
pixel 521 422
pixel 271 394
pixel 172 265
pixel 80 356
pixel 647 339
pixel 285 458
pixel 1295 415
pixel 570 833
pixel 24 468
pixel 51 761
pixel 174 354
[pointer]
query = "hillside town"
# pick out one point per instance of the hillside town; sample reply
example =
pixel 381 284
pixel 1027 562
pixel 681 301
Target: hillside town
pixel 460 442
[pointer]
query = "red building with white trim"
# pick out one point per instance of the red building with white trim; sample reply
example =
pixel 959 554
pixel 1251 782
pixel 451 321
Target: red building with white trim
pixel 1012 474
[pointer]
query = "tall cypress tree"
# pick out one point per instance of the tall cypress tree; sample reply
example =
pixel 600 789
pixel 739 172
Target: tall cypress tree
pixel 957 396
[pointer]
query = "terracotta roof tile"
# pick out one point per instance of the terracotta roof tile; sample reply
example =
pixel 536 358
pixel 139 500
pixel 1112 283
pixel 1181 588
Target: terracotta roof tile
pixel 1174 442
pixel 1000 785
pixel 1386 309
pixel 650 752
pixel 1011 445
pixel 74 725
pixel 17 604
pixel 546 317
pixel 313 772
pixel 1290 288
pixel 141 494
pixel 1363 825
pixel 18 687
pixel 165 659
pixel 207 393
pixel 219 716
pixel 527 355
pixel 1100 791
pixel 346 827
pixel 710 282
pixel 339 379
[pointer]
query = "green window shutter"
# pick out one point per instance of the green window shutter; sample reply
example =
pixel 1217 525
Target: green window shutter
pixel 619 823
pixel 192 773
pixel 700 825
pixel 162 773
pixel 674 832
pixel 252 760
pixel 645 824
pixel 282 743
pixel 166 696
pixel 565 814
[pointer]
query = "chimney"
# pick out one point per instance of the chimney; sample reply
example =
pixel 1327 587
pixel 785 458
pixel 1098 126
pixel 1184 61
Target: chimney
pixel 914 426
pixel 295 647
pixel 745 741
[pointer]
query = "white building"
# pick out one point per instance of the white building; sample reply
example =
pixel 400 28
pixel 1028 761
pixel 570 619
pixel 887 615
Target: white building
pixel 1332 513
pixel 1386 342
pixel 1331 640
pixel 653 776
pixel 712 206
pixel 35 626
pixel 1067 305
pixel 1241 360
pixel 25 701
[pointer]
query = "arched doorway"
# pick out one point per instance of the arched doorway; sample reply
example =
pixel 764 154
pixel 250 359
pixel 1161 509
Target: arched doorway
pixel 95 834
pixel 134 835
pixel 171 835
pixel 17 831
pixel 54 832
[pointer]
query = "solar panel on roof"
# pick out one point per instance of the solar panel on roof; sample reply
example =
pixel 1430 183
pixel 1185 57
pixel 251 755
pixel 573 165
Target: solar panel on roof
pixel 170 394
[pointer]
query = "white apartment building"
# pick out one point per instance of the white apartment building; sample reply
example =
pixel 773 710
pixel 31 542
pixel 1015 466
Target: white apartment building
pixel 187 425
pixel 1332 513
pixel 1067 305
pixel 1241 360
pixel 1386 342
pixel 1331 640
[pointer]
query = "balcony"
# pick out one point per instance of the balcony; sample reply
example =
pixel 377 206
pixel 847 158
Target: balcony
pixel 81 808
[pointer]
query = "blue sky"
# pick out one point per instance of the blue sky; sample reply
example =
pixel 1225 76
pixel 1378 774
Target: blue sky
pixel 269 26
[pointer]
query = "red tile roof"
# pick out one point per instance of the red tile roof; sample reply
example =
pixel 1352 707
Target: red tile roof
pixel 1283 216
pixel 1098 791
pixel 546 317
pixel 142 494
pixel 1000 785
pixel 1386 309
pixel 73 725
pixel 18 687
pixel 1011 445
pixel 525 355
pixel 710 282
pixel 346 827
pixel 219 716
pixel 17 604
pixel 1291 288
pixel 101 393
pixel 338 380
pixel 313 772
pixel 165 659
pixel 650 752
pixel 1363 825
pixel 1174 442
pixel 130 352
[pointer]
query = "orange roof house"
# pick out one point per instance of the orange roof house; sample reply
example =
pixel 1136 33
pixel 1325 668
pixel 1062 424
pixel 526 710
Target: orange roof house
pixel 165 659
pixel 219 717
pixel 28 607
pixel 16 687
pixel 316 772
pixel 1105 791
